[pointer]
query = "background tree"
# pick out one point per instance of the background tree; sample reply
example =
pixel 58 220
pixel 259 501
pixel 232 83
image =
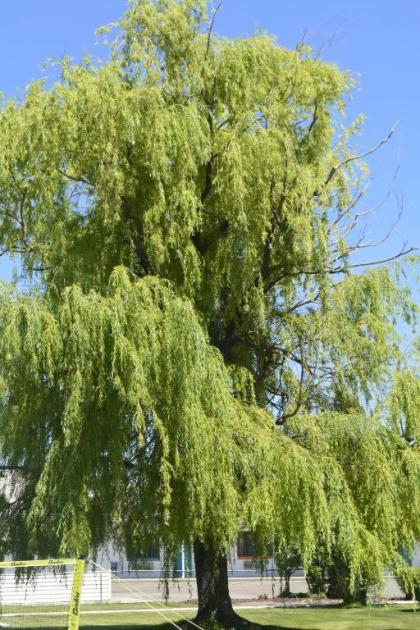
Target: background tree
pixel 193 333
pixel 287 561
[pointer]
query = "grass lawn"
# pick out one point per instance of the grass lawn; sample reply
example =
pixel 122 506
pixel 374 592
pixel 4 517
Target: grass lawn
pixel 383 618
pixel 379 618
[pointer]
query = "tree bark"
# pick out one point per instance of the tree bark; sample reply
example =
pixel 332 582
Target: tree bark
pixel 214 603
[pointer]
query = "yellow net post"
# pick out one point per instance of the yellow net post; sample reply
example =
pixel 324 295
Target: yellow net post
pixel 76 592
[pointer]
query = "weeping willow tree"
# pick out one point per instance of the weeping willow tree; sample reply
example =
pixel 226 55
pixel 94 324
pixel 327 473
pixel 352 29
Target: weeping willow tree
pixel 194 351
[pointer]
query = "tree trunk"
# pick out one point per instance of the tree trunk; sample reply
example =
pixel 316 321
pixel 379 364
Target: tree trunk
pixel 286 591
pixel 339 581
pixel 214 603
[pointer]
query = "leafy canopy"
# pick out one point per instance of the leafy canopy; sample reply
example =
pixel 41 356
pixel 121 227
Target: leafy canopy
pixel 194 351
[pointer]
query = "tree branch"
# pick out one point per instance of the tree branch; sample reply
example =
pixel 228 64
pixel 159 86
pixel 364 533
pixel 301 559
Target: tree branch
pixel 357 157
pixel 74 178
pixel 404 252
pixel 6 467
pixel 284 417
pixel 341 268
pixel 213 17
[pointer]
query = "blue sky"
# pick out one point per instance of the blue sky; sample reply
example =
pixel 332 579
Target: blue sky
pixel 377 39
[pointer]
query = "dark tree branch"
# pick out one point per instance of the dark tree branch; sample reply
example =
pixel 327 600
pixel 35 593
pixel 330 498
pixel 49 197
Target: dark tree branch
pixel 210 31
pixel 11 216
pixel 337 270
pixel 208 179
pixel 275 220
pixel 75 178
pixel 286 416
pixel 403 252
pixel 14 249
pixel 314 119
pixel 6 467
pixel 142 260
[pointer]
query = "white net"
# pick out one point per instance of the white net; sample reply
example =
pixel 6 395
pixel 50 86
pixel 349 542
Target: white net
pixel 34 596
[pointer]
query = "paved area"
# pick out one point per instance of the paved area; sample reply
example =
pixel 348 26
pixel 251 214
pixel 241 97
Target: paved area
pixel 241 589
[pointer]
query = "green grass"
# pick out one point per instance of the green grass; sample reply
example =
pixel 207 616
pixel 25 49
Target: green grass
pixel 378 618
pixel 135 616
pixel 383 618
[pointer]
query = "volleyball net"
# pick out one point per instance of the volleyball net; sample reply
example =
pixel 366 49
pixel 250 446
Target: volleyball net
pixel 41 593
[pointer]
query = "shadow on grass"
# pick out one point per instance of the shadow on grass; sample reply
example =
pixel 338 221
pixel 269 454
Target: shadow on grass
pixel 410 609
pixel 244 624
pixel 167 626
pixel 247 625
pixel 171 627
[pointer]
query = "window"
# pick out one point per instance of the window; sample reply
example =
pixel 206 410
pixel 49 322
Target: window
pixel 245 546
pixel 140 564
pixel 153 552
pixel 143 559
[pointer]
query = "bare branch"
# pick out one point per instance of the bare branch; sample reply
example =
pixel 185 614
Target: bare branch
pixel 403 252
pixel 355 200
pixel 361 245
pixel 301 304
pixel 328 43
pixel 301 42
pixel 213 17
pixel 357 157
pixel 379 205
pixel 340 269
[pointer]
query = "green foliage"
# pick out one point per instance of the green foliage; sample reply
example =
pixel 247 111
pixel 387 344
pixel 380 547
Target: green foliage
pixel 125 399
pixel 193 351
pixel 316 580
pixel 403 404
pixel 408 579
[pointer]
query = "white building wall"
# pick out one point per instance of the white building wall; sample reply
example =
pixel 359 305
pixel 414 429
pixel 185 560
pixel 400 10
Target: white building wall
pixel 116 561
pixel 416 557
pixel 239 566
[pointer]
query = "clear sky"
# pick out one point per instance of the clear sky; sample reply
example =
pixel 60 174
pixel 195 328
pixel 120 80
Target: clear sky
pixel 377 39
